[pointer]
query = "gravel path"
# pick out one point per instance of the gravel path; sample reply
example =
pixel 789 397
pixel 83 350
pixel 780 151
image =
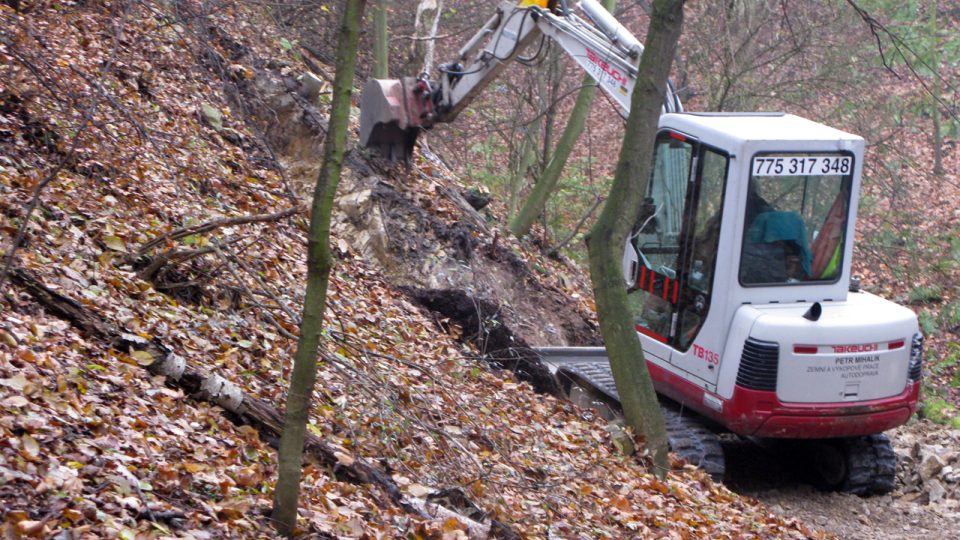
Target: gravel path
pixel 906 513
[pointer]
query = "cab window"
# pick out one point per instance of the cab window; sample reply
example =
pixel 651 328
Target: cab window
pixel 676 239
pixel 796 218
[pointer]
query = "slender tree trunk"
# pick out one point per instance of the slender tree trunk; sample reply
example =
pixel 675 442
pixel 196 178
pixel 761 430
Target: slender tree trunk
pixel 606 240
pixel 427 10
pixel 381 51
pixel 549 86
pixel 431 44
pixel 527 158
pixel 319 263
pixel 936 91
pixel 555 162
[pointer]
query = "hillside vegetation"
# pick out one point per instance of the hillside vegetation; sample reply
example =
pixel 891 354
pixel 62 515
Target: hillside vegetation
pixel 155 164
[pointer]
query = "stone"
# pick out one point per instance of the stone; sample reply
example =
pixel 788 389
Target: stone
pixel 620 438
pixel 476 198
pixel 310 87
pixel 935 491
pixel 356 205
pixel 930 466
pixel 212 116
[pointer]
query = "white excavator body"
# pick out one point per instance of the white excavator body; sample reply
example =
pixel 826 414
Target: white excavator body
pixel 739 266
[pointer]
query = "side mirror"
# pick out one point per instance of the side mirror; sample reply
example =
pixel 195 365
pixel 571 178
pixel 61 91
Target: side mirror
pixel 631 264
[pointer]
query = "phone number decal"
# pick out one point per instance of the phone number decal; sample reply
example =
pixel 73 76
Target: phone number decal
pixel 802 165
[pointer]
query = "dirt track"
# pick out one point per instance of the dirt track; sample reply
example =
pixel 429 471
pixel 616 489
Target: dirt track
pixel 780 484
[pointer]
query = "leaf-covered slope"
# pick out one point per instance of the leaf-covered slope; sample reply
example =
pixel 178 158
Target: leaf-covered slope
pixel 130 122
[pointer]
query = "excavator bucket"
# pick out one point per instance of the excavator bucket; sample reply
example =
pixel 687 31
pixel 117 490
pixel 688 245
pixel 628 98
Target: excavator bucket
pixel 392 114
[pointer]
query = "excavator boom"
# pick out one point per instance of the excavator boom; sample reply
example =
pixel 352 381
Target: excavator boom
pixel 394 111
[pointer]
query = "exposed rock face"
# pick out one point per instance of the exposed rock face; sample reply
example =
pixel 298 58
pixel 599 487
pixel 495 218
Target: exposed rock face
pixel 417 228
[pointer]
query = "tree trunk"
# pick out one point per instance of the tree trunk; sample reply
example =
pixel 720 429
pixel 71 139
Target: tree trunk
pixel 381 51
pixel 527 157
pixel 606 240
pixel 319 263
pixel 431 43
pixel 427 11
pixel 936 91
pixel 557 160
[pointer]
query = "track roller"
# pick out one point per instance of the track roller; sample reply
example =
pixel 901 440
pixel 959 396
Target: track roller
pixel 860 465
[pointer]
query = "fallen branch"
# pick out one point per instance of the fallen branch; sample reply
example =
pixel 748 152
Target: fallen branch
pixel 243 409
pixel 208 226
pixel 171 255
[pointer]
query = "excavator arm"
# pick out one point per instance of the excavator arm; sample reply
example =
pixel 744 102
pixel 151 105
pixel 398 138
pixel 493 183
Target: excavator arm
pixel 394 111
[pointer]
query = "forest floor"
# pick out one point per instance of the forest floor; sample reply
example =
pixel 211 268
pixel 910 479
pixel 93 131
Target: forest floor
pixel 146 121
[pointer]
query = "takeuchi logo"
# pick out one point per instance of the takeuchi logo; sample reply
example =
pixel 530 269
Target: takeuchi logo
pixel 871 347
pixel 605 66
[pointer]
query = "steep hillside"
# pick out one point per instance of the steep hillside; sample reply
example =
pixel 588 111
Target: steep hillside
pixel 155 161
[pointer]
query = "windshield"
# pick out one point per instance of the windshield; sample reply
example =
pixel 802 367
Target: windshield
pixel 796 218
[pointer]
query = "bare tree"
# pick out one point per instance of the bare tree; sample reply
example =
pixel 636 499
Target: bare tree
pixel 605 241
pixel 319 263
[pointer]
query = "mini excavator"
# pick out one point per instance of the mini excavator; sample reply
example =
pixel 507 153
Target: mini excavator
pixel 738 270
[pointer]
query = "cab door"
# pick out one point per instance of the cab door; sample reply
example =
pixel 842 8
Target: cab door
pixel 675 241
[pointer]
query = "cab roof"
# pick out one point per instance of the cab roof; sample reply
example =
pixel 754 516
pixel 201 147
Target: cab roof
pixel 742 127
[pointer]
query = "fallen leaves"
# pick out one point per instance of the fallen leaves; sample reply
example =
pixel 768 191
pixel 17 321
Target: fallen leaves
pixel 89 441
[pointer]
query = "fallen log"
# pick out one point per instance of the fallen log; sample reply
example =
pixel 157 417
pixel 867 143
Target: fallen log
pixel 243 409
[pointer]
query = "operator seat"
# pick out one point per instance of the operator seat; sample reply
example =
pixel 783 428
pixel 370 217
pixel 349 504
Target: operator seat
pixel 775 249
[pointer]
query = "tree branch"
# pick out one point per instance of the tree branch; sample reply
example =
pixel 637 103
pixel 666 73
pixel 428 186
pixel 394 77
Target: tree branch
pixel 201 228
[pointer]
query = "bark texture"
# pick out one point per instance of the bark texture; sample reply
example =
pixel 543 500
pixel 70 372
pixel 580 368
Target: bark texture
pixel 605 242
pixel 319 263
pixel 381 52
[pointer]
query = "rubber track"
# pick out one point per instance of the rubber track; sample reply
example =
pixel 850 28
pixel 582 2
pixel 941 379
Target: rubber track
pixel 688 438
pixel 873 465
pixel 694 442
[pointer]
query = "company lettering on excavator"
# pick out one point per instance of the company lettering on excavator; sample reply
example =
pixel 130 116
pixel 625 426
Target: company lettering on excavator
pixel 738 270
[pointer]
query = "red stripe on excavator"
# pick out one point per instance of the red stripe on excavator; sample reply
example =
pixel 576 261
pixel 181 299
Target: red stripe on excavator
pixel 761 414
pixel 678 136
pixel 650 333
pixel 653 281
pixel 666 287
pixel 643 277
pixel 676 291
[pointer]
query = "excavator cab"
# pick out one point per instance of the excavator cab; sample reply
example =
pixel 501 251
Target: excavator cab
pixel 739 207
